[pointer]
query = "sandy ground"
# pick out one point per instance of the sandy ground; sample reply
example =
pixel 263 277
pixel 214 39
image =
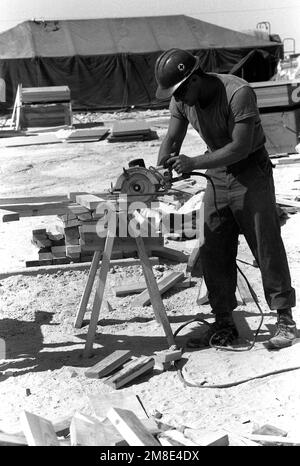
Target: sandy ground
pixel 44 367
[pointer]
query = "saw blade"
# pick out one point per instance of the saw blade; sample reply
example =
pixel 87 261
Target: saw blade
pixel 139 185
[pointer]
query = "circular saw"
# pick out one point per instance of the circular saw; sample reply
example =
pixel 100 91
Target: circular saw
pixel 140 183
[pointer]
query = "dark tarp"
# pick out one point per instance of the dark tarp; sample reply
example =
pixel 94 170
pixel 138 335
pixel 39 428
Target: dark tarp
pixel 109 63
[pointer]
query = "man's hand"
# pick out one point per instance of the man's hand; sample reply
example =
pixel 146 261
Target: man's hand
pixel 181 163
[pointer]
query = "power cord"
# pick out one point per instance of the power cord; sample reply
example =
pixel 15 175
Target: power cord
pixel 227 348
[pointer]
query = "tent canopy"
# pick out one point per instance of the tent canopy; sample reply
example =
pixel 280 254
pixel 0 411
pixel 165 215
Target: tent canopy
pixel 109 63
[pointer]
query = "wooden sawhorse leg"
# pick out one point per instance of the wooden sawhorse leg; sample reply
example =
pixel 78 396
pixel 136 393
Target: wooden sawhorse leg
pixel 156 301
pixel 98 299
pixel 88 289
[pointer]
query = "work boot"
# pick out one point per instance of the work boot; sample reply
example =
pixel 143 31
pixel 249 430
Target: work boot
pixel 285 335
pixel 223 332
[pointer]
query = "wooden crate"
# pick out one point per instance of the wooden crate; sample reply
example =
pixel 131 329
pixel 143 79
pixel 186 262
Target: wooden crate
pixel 282 130
pixel 43 115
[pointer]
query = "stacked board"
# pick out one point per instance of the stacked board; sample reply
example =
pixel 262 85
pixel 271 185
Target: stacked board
pixel 124 131
pixel 45 106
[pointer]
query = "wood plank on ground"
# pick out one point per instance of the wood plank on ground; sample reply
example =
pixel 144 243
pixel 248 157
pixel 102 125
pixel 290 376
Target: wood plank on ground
pixel 38 430
pixel 107 365
pixel 164 284
pixel 131 428
pixel 131 371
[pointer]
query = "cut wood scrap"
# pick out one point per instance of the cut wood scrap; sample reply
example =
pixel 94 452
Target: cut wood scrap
pixel 90 201
pixel 194 267
pixel 168 355
pixel 109 364
pixel 58 251
pixel 268 429
pixel 169 253
pixel 102 402
pixel 202 297
pixel 274 439
pixel 73 251
pixel 38 430
pixel 9 216
pixel 244 290
pixel 237 440
pixel 206 439
pixel 88 431
pixel 130 288
pixel 131 428
pixel 131 371
pixel 12 439
pixel 164 284
pixel 178 437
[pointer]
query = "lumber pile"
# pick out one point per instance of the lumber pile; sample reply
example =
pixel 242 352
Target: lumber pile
pixel 43 106
pixel 126 131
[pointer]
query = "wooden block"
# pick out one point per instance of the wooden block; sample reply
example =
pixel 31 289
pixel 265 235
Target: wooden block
pixel 168 355
pixel 207 439
pixel 130 371
pixel 202 297
pixel 90 201
pixel 131 428
pixel 274 440
pixel 88 431
pixel 38 263
pixel 71 235
pixel 178 437
pixel 58 251
pixel 85 217
pixel 45 254
pixel 12 439
pixel 108 364
pixel 169 253
pixel 38 431
pixel 130 288
pixel 164 284
pixel 72 250
pixel 102 402
pixel 9 216
pixel 42 242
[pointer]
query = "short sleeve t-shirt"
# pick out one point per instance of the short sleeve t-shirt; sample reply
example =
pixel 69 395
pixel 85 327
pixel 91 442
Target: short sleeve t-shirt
pixel 234 101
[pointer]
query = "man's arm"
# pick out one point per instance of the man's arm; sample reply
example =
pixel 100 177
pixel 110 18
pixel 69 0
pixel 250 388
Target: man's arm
pixel 173 140
pixel 236 150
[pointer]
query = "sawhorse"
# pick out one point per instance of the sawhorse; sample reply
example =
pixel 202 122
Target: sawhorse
pixel 156 300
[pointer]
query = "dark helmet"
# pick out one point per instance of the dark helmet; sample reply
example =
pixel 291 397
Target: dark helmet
pixel 172 68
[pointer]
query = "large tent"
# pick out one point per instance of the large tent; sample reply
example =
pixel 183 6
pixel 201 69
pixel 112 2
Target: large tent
pixel 109 63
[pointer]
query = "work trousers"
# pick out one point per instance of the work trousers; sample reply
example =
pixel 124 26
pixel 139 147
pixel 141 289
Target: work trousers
pixel 245 200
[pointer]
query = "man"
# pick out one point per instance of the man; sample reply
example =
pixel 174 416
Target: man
pixel 223 109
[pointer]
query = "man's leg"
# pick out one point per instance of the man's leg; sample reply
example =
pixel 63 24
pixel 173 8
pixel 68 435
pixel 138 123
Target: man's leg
pixel 218 259
pixel 255 211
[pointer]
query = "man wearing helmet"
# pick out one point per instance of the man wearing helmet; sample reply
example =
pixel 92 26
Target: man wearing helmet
pixel 222 108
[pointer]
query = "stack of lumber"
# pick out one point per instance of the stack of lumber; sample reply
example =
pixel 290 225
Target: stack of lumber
pixel 279 106
pixel 125 131
pixel 83 135
pixel 51 248
pixel 45 106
